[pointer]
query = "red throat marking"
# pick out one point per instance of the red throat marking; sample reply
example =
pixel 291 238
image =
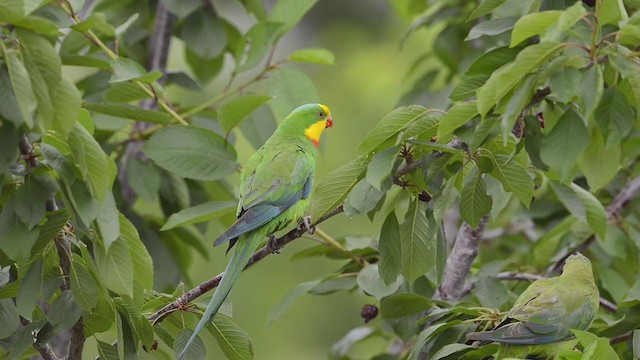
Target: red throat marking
pixel 315 143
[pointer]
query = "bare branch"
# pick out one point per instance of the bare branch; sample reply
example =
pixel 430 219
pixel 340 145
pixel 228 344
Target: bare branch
pixel 45 351
pixel 459 262
pixel 628 192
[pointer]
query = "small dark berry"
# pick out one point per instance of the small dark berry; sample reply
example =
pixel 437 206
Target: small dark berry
pixel 424 196
pixel 369 312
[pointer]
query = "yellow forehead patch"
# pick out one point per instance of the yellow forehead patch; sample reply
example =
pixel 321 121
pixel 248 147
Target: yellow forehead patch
pixel 325 108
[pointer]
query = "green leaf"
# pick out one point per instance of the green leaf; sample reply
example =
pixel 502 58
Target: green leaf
pixel 390 247
pixel 595 212
pixel 191 152
pixel 182 8
pixel 492 60
pixel 451 349
pixel 314 56
pixel 590 91
pixel 467 87
pixel 561 155
pixel 107 220
pixel 362 199
pixel 533 24
pixel 335 187
pixel 595 347
pixel 66 104
pixel 294 295
pixel 380 167
pixel 567 19
pixel 115 267
pixel 491 27
pixel 89 60
pixel 107 351
pixel 30 202
pixel 94 163
pixel 611 12
pixel 16 240
pixel 64 312
pixel 289 88
pixel 340 349
pixel 417 247
pixel 199 213
pixel 405 304
pixel 385 132
pixel 457 116
pixel 428 334
pixel 614 115
pixel 289 12
pixel 474 201
pixel 30 287
pixel 236 110
pixel 196 351
pixel 9 318
pixel 333 283
pixel 125 92
pixel 261 37
pixel 127 111
pixel 636 344
pixel 203 69
pixel 140 258
pixel 371 283
pixel 83 285
pixel 126 69
pixel 204 34
pixel 514 178
pixel 507 77
pixel 599 162
pixel 10 110
pixel 21 85
pixel 9 141
pixel 234 342
pixel 484 8
pixel 97 21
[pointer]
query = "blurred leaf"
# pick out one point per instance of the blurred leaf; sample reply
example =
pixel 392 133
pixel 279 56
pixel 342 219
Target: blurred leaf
pixel 491 27
pixel 385 132
pixel 30 287
pixel 457 116
pixel 314 56
pixel 199 213
pixel 467 86
pixel 128 112
pixel 97 21
pixel 115 267
pixel 595 347
pixel 107 351
pixel 611 12
pixel 66 104
pixel 9 139
pixel 590 91
pixel 427 334
pixel 474 201
pixel 484 8
pixel 125 92
pixel 370 282
pixel 83 286
pixel 636 344
pixel 261 37
pixel 256 7
pixel 196 351
pixel 492 60
pixel 417 247
pixel 191 152
pixel 491 292
pixel 234 342
pixel 238 109
pixel 64 312
pixel 204 34
pixel 533 24
pixel 21 85
pixel 614 115
pixel 514 178
pixel 340 349
pixel 16 240
pixel 126 69
pixel 289 88
pixel 595 212
pixel 380 167
pixel 405 304
pixel 289 12
pixel 9 317
pixel 561 155
pixel 599 162
pixel 334 187
pixel 567 19
pixel 107 220
pixel 390 247
pixel 333 283
pixel 182 8
pixel 452 349
pixel 362 199
pixel 203 69
pixel 30 202
pixel 294 295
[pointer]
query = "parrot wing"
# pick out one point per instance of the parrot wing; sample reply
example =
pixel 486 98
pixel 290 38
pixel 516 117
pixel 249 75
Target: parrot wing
pixel 276 183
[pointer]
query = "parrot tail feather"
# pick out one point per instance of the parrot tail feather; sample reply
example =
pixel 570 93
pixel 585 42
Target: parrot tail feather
pixel 246 245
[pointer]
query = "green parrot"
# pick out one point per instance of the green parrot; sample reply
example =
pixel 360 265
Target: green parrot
pixel 275 185
pixel 541 320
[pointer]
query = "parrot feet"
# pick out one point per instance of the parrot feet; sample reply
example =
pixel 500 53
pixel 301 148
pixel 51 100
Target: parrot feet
pixel 272 244
pixel 305 224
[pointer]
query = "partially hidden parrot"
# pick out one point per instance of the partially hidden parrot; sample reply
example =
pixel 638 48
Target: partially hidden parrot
pixel 275 184
pixel 540 322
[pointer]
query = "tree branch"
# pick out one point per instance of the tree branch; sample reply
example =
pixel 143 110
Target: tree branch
pixel 628 192
pixel 459 262
pixel 45 351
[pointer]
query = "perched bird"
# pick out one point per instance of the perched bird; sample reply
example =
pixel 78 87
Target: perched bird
pixel 275 185
pixel 541 320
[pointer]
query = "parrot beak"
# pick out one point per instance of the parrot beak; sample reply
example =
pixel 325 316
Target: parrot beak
pixel 329 122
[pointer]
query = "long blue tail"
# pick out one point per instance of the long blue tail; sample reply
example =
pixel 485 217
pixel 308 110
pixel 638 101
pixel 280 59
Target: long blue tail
pixel 245 247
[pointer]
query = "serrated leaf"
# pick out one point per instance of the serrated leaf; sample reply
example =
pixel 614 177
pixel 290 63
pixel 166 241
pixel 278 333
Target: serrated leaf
pixel 384 134
pixel 457 116
pixel 491 27
pixel 405 304
pixel 97 164
pixel 107 220
pixel 142 264
pixel 107 351
pixel 467 87
pixel 380 167
pixel 289 88
pixel 314 56
pixel 234 342
pixel 595 347
pixel 335 187
pixel 127 111
pixel 533 24
pixel 9 318
pixel 196 351
pixel 567 19
pixel 595 212
pixel 83 286
pixel 474 201
pixel 126 69
pixel 30 287
pixel 417 248
pixel 614 115
pixel 16 240
pixel 30 202
pixel 362 199
pixel 599 162
pixel 560 154
pixel 370 282
pixel 514 178
pixel 199 213
pixel 484 8
pixel 191 152
pixel 390 246
pixel 491 61
pixel 64 312
pixel 21 85
pixel 590 91
pixel 115 267
pixel 236 110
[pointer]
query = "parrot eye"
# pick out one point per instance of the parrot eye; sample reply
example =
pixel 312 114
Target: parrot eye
pixel 320 114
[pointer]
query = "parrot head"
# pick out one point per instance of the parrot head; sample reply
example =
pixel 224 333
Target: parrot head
pixel 577 263
pixel 310 120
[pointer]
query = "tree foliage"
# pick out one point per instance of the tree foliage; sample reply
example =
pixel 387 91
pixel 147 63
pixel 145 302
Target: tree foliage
pixel 537 154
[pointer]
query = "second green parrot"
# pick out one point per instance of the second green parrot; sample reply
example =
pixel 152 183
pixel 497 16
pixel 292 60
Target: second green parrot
pixel 541 320
pixel 275 185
